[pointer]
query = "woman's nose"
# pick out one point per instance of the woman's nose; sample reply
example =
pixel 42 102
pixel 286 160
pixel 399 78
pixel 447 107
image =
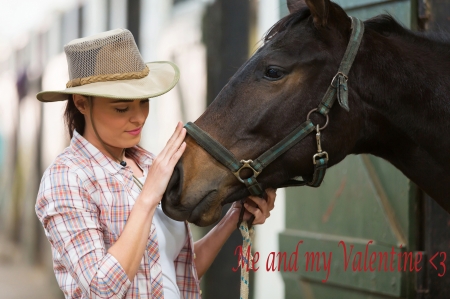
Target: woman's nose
pixel 139 115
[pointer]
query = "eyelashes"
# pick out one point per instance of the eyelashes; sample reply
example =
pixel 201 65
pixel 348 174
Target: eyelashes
pixel 146 101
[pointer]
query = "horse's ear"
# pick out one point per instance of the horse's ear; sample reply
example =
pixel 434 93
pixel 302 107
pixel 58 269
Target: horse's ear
pixel 319 11
pixel 294 5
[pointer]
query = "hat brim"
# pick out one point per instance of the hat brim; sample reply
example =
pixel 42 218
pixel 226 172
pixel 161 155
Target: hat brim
pixel 163 76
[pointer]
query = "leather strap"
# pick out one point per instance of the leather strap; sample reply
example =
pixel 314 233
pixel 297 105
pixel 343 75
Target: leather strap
pixel 338 87
pixel 319 172
pixel 214 148
pixel 284 145
pixel 224 156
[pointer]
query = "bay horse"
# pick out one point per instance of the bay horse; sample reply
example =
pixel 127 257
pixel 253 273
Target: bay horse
pixel 398 100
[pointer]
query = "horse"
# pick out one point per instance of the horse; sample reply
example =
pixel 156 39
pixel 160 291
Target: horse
pixel 398 109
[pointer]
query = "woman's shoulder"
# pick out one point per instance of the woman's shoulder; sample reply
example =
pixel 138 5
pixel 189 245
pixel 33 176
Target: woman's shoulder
pixel 68 162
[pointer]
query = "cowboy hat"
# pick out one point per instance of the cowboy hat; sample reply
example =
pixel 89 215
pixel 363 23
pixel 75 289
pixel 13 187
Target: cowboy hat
pixel 109 65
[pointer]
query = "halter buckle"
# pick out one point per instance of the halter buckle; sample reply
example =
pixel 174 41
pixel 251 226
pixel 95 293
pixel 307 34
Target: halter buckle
pixel 335 77
pixel 319 155
pixel 246 164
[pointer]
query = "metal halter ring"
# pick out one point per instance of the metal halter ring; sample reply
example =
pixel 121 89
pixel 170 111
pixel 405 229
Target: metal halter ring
pixel 326 123
pixel 246 164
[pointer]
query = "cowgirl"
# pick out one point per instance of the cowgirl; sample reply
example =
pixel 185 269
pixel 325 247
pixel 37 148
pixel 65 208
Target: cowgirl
pixel 99 200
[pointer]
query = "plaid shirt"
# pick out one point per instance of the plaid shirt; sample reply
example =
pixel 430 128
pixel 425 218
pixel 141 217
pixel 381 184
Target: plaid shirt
pixel 83 203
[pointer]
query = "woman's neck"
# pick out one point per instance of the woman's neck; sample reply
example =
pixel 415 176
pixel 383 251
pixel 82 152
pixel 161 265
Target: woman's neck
pixel 115 153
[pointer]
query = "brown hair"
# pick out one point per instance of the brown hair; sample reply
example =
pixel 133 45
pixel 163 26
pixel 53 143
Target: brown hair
pixel 73 118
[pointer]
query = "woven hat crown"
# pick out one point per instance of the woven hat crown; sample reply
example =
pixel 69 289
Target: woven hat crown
pixel 110 53
pixel 109 65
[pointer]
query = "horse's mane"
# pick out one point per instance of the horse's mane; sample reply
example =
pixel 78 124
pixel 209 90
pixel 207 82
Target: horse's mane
pixel 384 24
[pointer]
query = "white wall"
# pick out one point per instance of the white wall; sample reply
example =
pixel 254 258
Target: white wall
pixel 174 35
pixel 269 284
pixel 94 17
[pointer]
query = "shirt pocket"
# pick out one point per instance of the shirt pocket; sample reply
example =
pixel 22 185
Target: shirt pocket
pixel 116 205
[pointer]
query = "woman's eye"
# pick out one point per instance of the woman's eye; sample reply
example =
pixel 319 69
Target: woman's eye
pixel 121 110
pixel 273 73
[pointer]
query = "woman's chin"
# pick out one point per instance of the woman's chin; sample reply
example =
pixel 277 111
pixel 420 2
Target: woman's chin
pixel 130 141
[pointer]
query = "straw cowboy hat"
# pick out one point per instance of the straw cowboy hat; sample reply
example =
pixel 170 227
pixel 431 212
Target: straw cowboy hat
pixel 109 65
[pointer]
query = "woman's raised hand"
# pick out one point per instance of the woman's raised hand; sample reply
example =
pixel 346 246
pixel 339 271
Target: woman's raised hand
pixel 256 206
pixel 163 165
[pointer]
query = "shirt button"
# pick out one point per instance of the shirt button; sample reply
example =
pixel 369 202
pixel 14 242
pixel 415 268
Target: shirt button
pixel 155 270
pixel 195 256
pixel 201 292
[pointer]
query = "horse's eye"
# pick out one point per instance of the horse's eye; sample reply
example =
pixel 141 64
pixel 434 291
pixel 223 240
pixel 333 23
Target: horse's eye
pixel 273 73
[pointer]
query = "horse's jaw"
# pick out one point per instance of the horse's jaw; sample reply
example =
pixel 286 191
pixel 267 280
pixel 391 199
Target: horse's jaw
pixel 202 210
pixel 204 213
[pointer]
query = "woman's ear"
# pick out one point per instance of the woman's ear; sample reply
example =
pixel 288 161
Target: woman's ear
pixel 81 102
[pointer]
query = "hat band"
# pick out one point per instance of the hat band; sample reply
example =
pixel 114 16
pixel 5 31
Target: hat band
pixel 109 77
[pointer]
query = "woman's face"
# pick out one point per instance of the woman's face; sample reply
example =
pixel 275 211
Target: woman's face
pixel 118 122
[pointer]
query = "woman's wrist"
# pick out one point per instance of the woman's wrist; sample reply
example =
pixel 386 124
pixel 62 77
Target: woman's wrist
pixel 147 202
pixel 231 218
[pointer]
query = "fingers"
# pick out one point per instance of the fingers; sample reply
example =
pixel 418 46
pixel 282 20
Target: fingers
pixel 271 195
pixel 260 207
pixel 174 142
pixel 260 218
pixel 261 204
pixel 177 155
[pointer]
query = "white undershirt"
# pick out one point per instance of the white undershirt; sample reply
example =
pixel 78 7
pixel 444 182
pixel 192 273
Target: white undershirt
pixel 171 237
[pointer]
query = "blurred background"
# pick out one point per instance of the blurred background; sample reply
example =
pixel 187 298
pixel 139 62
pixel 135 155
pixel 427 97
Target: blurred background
pixel 362 199
pixel 208 40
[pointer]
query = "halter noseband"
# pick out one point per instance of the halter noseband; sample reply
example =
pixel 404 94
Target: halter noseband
pixel 337 89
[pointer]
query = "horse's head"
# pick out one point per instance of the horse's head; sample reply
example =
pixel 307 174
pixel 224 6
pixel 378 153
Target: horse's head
pixel 269 96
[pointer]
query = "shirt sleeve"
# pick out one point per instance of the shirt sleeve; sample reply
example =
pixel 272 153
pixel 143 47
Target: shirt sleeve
pixel 70 220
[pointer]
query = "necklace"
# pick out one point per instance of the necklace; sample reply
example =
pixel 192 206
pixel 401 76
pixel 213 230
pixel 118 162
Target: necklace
pixel 138 182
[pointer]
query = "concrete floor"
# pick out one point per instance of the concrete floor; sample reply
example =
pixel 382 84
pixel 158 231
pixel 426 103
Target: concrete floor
pixel 19 280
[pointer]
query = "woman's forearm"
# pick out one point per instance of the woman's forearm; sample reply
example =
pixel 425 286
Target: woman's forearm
pixel 207 248
pixel 130 247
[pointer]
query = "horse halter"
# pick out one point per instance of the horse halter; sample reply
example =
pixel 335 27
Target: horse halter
pixel 337 89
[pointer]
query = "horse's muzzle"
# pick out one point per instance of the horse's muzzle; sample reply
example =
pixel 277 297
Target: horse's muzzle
pixel 171 201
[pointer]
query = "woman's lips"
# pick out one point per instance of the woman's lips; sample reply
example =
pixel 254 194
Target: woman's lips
pixel 135 132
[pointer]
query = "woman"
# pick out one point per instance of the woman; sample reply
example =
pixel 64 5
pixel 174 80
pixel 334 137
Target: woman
pixel 99 200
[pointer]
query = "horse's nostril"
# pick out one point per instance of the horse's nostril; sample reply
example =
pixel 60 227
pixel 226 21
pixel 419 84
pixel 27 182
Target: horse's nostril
pixel 173 190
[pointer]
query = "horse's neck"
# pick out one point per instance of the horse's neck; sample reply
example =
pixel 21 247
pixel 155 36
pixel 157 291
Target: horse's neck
pixel 405 92
pixel 407 84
